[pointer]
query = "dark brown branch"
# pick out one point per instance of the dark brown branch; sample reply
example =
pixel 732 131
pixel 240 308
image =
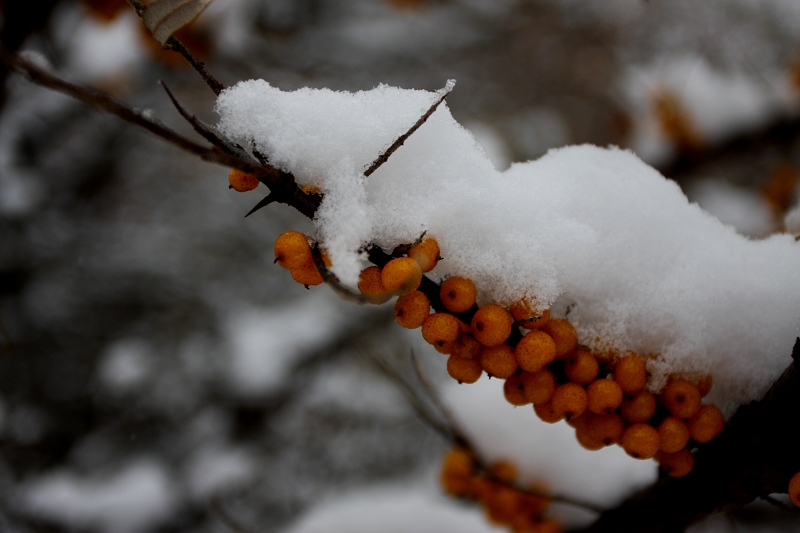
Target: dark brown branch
pixel 177 46
pixel 384 157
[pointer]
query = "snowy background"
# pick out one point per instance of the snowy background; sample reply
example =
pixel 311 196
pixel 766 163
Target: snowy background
pixel 159 373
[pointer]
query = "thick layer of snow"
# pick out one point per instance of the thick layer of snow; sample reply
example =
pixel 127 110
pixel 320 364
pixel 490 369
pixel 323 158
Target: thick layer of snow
pixel 590 229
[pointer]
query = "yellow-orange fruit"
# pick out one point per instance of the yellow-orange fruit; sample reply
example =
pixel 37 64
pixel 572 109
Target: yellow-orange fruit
pixel 606 428
pixel 466 346
pixel 676 464
pixel 292 250
pixel 706 424
pixel 583 434
pixel 371 286
pixel 538 387
pixel 603 396
pixel 681 397
pixel 546 412
pixel 458 294
pixel 513 390
pixel 673 434
pixel 411 310
pixel 639 407
pixel 458 469
pixel 549 525
pixel 505 471
pixel 242 181
pixel 581 367
pixel 704 385
pixel 401 275
pixel 491 325
pixel 426 254
pixel 794 489
pixel 499 361
pixel 501 504
pixel 535 351
pixel 631 373
pixel 446 348
pixel 529 317
pixel 563 335
pixel 640 441
pixel 569 400
pixel 464 370
pixel 312 189
pixel 307 274
pixel 440 328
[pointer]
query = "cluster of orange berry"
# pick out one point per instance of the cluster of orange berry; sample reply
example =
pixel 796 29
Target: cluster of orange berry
pixel 494 490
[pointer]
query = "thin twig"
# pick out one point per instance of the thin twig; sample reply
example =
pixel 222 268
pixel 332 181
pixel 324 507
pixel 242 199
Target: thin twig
pixel 333 281
pixel 223 516
pixel 384 157
pixel 777 503
pixel 177 46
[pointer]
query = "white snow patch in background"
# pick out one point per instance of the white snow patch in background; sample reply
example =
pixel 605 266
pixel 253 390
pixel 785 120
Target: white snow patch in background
pixel 215 469
pixel 646 270
pixel 126 364
pixel 750 214
pixel 100 50
pixel 792 220
pixel 544 453
pixel 137 498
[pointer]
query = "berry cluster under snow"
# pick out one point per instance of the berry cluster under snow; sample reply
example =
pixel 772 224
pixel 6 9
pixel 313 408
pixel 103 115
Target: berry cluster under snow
pixel 592 232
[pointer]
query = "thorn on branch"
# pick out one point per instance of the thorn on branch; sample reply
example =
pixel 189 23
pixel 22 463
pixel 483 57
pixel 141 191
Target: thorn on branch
pixel 268 199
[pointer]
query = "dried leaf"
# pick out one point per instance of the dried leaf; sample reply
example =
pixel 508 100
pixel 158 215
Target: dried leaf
pixel 165 17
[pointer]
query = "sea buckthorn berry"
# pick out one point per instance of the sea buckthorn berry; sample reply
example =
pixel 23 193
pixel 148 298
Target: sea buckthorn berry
pixel 549 525
pixel 794 489
pixel 530 318
pixel 458 294
pixel 371 286
pixel 401 275
pixel 411 310
pixel 535 351
pixel 446 348
pixel 458 469
pixel 538 386
pixel 499 361
pixel 491 325
pixel 603 396
pixel 501 504
pixel 242 181
pixel 639 407
pixel 704 385
pixel 563 334
pixel 426 254
pixel 676 464
pixel 467 347
pixel 440 329
pixel 546 413
pixel 307 274
pixel 464 370
pixel 681 397
pixel 505 471
pixel 631 373
pixel 513 391
pixel 640 441
pixel 585 437
pixel 569 400
pixel 706 424
pixel 606 428
pixel 312 189
pixel 292 250
pixel 673 434
pixel 581 367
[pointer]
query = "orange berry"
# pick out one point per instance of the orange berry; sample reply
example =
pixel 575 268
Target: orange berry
pixel 411 310
pixel 292 250
pixel 640 441
pixel 569 400
pixel 673 434
pixel 401 275
pixel 563 335
pixel 639 407
pixel 538 387
pixel 499 361
pixel 458 294
pixel 466 346
pixel 794 489
pixel 583 433
pixel 513 390
pixel 307 274
pixel 440 328
pixel 546 412
pixel 549 525
pixel 458 469
pixel 446 348
pixel 706 424
pixel 676 464
pixel 681 397
pixel 426 254
pixel 631 373
pixel 491 325
pixel 371 286
pixel 501 504
pixel 603 396
pixel 504 471
pixel 242 181
pixel 312 189
pixel 535 351
pixel 581 367
pixel 464 370
pixel 606 428
pixel 531 318
pixel 704 385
